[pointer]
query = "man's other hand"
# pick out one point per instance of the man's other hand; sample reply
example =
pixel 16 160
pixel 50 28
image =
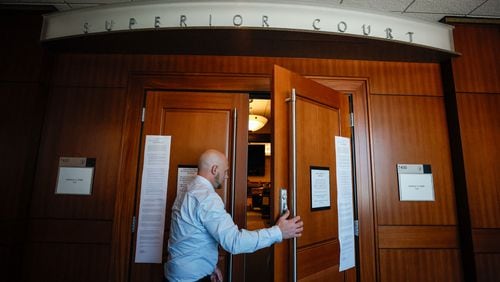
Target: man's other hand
pixel 290 228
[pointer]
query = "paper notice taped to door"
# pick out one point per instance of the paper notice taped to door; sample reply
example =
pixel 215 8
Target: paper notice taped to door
pixel 149 242
pixel 344 203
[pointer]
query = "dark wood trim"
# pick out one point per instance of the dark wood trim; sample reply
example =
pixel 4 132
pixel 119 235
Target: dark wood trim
pixel 459 177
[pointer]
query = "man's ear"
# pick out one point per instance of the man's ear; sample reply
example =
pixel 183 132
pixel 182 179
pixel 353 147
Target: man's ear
pixel 213 169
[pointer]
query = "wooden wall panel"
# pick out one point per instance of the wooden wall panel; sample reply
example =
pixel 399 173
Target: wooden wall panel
pixel 91 70
pixel 21 55
pixel 477 99
pixel 477 70
pixel 113 70
pixel 70 236
pixel 65 262
pixel 488 267
pixel 81 122
pixel 21 119
pixel 420 265
pixel 480 131
pixel 411 130
pixel 23 98
pixel 385 77
pixel 414 237
pixel 486 240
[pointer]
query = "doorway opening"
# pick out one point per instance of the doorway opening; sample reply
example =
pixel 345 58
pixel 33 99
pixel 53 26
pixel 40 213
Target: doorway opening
pixel 259 265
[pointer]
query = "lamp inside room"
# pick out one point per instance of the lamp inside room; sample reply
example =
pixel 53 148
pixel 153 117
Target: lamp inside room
pixel 256 122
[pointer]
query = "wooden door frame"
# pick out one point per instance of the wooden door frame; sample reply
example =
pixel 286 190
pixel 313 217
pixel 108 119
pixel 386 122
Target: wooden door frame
pixel 363 164
pixel 364 188
pixel 139 83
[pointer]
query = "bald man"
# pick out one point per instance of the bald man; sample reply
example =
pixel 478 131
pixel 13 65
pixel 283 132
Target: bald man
pixel 200 223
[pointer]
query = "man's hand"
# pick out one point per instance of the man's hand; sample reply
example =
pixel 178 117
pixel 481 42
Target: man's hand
pixel 290 228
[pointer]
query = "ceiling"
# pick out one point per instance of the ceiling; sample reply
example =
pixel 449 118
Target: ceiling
pixel 430 10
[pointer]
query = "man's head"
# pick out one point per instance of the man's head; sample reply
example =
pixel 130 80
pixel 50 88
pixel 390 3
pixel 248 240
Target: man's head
pixel 213 166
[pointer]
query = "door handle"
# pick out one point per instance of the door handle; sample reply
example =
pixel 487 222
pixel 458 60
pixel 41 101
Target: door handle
pixel 283 201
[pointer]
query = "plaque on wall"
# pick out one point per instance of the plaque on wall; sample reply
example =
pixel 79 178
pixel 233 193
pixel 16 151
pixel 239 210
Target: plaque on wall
pixel 415 182
pixel 75 176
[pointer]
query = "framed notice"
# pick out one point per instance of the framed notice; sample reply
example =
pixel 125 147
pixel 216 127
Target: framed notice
pixel 415 182
pixel 75 176
pixel 320 188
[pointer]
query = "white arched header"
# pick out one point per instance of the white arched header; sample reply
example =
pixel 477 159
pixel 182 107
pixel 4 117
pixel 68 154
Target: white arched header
pixel 270 15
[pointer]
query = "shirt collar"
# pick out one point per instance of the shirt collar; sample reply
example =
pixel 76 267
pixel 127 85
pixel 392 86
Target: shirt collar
pixel 207 183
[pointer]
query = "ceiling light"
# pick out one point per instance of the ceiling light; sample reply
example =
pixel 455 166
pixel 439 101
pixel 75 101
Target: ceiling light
pixel 256 122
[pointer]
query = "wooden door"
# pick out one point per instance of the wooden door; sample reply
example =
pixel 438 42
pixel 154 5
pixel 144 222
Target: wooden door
pixel 196 121
pixel 321 114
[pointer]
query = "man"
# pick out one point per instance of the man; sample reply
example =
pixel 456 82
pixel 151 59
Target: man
pixel 200 223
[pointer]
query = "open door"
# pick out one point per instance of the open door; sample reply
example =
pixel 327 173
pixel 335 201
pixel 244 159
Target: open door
pixel 197 121
pixel 307 116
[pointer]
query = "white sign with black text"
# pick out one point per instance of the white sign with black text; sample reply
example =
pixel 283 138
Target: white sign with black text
pixel 415 182
pixel 149 243
pixel 345 203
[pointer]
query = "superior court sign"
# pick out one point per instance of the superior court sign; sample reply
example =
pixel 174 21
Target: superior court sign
pixel 269 15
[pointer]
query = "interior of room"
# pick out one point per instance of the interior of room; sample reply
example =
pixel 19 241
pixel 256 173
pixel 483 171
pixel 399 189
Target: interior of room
pixel 258 265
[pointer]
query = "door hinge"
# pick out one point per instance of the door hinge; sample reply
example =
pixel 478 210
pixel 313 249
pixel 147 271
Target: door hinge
pixel 351 117
pixel 133 224
pixel 143 116
pixel 356 228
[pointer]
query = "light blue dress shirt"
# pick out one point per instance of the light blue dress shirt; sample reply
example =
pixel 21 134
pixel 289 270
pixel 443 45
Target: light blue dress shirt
pixel 199 224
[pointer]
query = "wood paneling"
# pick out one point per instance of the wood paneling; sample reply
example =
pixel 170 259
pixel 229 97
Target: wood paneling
pixel 310 262
pixel 70 235
pixel 87 122
pixel 66 262
pixel 81 122
pixel 476 102
pixel 411 130
pixel 414 237
pixel 91 70
pixel 23 99
pixel 486 240
pixel 488 267
pixel 21 118
pixel 480 132
pixel 420 265
pixel 113 70
pixel 21 55
pixel 477 70
pixel 73 231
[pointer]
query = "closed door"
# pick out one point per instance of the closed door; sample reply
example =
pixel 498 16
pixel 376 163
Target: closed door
pixel 196 121
pixel 305 126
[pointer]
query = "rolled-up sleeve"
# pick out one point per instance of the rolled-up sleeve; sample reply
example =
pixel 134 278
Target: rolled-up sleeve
pixel 234 240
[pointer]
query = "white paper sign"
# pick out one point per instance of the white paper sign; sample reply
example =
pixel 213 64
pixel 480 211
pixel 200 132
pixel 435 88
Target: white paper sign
pixel 149 243
pixel 344 203
pixel 416 187
pixel 320 188
pixel 74 180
